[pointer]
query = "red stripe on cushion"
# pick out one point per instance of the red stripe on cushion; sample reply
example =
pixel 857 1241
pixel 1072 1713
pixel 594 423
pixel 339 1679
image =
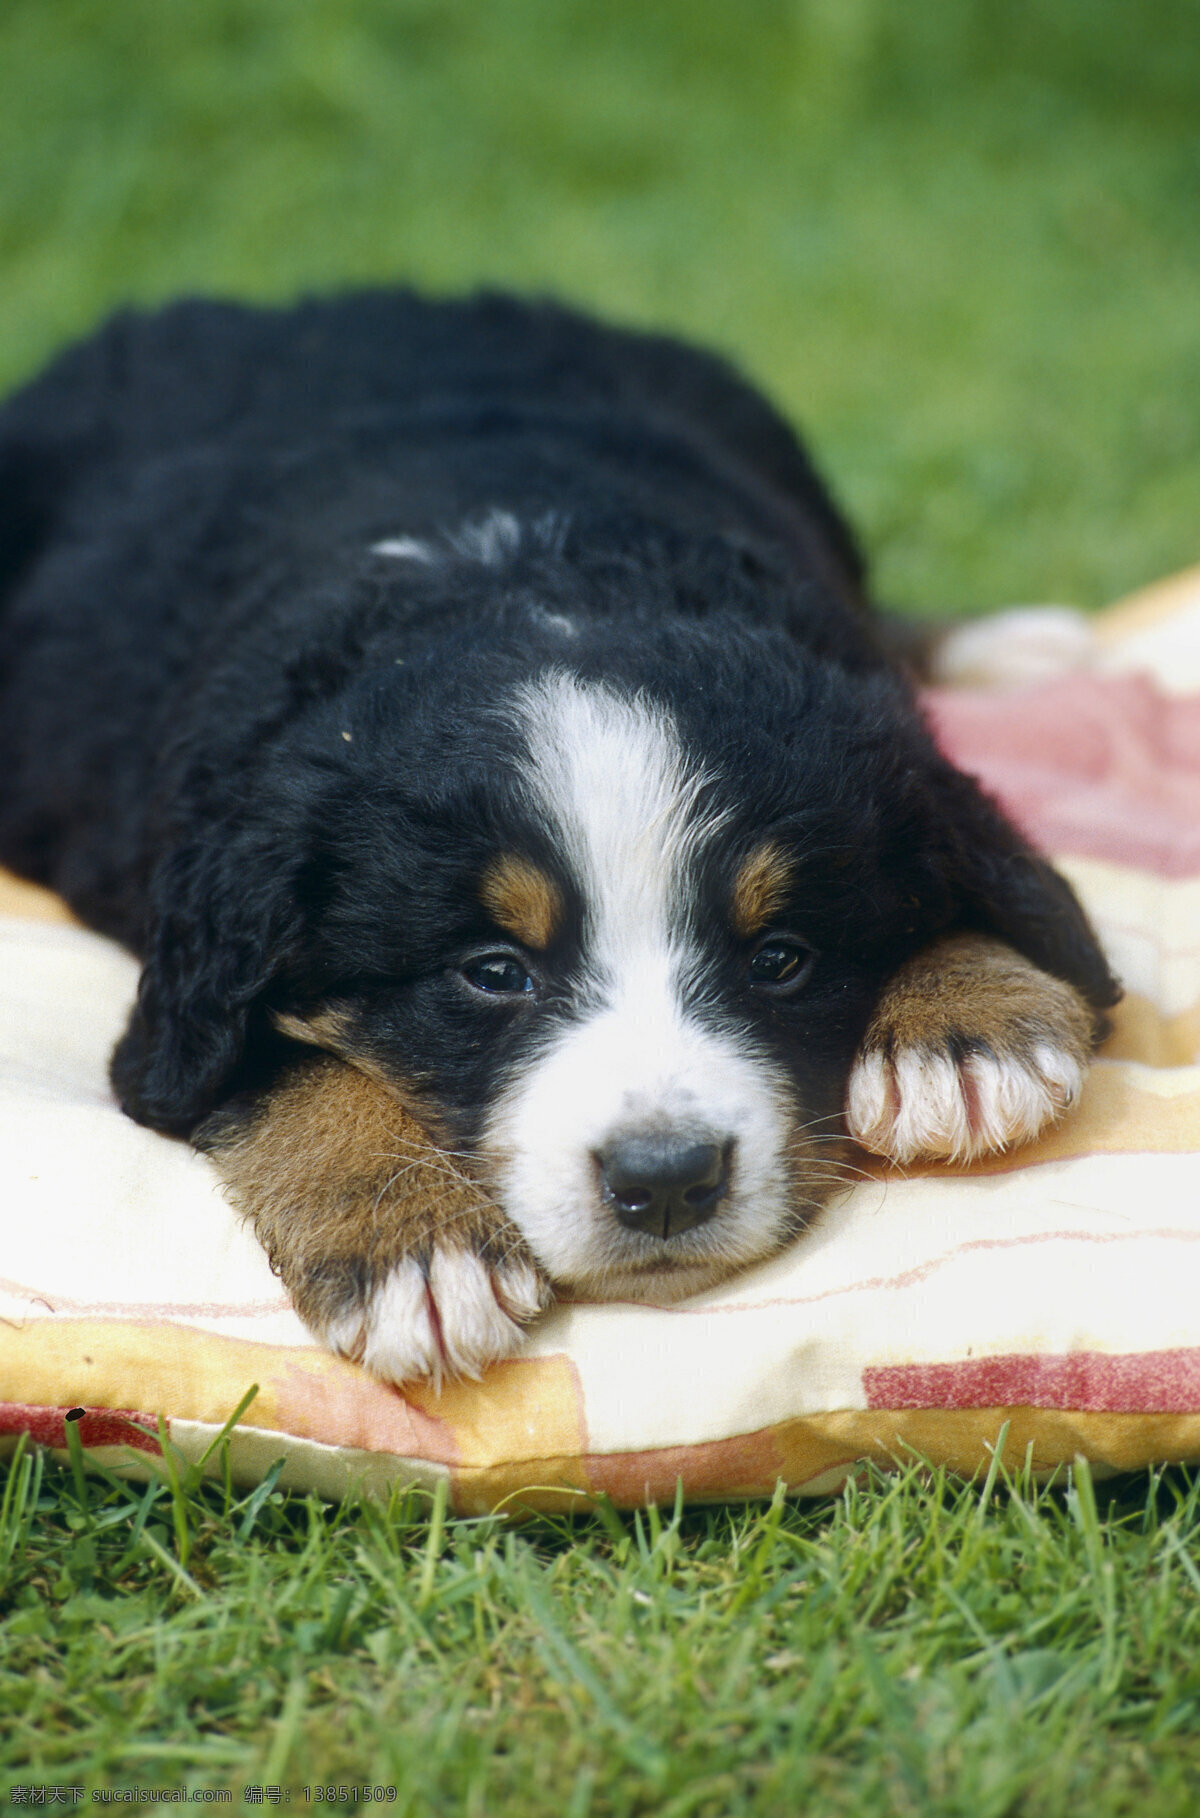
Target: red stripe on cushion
pixel 1140 1382
pixel 95 1426
pixel 1102 767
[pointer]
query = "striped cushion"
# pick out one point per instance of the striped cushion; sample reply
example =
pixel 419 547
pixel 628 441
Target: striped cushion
pixel 1051 1294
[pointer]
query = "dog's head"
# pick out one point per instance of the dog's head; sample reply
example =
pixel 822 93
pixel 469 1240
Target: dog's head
pixel 609 907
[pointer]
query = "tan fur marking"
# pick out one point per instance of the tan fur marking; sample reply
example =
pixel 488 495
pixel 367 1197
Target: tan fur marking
pixel 760 889
pixel 342 1184
pixel 971 987
pixel 522 899
pixel 329 1029
pixel 332 1029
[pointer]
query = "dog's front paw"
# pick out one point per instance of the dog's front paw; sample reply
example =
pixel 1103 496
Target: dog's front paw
pixel 972 1049
pixel 439 1319
pixel 393 1253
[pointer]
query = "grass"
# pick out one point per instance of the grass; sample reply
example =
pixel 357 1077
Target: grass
pixel 960 244
pixel 916 1647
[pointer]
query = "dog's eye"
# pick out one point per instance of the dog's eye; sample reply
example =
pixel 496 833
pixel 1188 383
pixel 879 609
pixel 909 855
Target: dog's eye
pixel 781 965
pixel 499 973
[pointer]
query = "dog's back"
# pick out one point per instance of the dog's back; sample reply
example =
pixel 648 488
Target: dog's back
pixel 388 371
pixel 170 483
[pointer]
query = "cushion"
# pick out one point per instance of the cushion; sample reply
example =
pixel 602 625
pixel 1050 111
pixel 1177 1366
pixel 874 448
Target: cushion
pixel 1046 1299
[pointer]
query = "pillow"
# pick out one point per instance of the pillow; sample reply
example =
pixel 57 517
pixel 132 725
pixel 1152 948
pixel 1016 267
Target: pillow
pixel 1050 1295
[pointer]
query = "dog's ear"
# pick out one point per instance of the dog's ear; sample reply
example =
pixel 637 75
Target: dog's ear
pixel 1001 886
pixel 224 921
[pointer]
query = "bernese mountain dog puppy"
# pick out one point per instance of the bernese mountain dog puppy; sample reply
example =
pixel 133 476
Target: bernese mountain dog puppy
pixel 473 718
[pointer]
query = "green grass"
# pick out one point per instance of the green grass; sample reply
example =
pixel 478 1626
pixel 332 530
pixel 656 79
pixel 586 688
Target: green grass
pixel 959 242
pixel 916 1647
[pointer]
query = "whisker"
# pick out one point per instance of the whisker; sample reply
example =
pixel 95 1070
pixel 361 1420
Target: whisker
pixel 428 1145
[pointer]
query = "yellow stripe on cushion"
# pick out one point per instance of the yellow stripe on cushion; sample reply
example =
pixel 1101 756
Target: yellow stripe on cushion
pixel 525 1405
pixel 522 1408
pixel 962 1439
pixel 1154 605
pixel 1141 1032
pixel 815 1453
pixel 178 1370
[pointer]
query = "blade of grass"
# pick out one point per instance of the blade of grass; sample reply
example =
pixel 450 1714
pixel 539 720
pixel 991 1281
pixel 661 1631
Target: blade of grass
pixel 995 1465
pixel 1081 1501
pixel 179 1502
pixel 257 1498
pixel 751 1583
pixel 150 1497
pixel 195 1471
pixel 286 1730
pixel 433 1543
pixel 19 1504
pixel 173 1566
pixel 78 1466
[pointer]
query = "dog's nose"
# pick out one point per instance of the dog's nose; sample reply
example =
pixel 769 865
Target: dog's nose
pixel 663 1184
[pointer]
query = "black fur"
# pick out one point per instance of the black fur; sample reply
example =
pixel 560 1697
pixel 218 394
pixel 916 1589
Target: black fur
pixel 192 621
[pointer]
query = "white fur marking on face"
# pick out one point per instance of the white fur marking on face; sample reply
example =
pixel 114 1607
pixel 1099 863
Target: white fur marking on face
pixel 608 772
pixel 920 1105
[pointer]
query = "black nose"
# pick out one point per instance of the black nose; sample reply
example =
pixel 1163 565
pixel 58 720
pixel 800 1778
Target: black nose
pixel 663 1184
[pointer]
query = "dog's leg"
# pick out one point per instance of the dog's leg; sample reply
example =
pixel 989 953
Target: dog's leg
pixel 971 1049
pixel 392 1254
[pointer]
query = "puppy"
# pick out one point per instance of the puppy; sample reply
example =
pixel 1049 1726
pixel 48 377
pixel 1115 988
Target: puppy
pixel 474 719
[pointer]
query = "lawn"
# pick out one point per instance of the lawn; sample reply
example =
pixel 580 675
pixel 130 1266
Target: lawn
pixel 961 245
pixel 917 1648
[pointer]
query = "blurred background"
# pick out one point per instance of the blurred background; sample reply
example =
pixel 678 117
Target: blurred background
pixel 958 243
